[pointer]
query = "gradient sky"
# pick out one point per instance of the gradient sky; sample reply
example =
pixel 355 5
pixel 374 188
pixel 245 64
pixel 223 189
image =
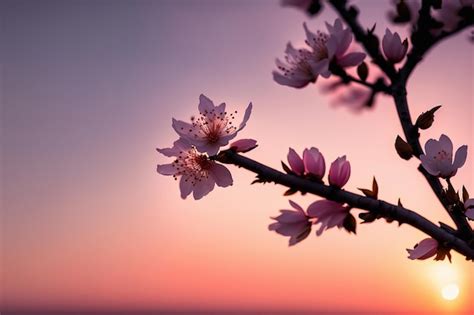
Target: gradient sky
pixel 88 91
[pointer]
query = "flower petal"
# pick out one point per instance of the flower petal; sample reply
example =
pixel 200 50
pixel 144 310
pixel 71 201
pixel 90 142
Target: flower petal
pixel 446 143
pixel 205 104
pixel 248 111
pixel 185 186
pixel 460 158
pixel 243 145
pixel 221 175
pixel 351 59
pixel 166 169
pixel 203 187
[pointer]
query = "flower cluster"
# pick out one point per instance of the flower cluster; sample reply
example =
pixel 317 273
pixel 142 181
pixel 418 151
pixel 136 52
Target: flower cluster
pixel 297 224
pixel 312 165
pixel 303 66
pixel 199 140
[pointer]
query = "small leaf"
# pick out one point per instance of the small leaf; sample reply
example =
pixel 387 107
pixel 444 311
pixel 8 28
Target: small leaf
pixel 451 195
pixel 400 203
pixel 350 223
pixel 442 253
pixel 290 192
pixel 259 179
pixel 371 31
pixel 404 150
pixel 375 188
pixel 426 119
pixel 363 71
pixel 465 194
pixel 287 169
pixel 367 192
pixel 368 217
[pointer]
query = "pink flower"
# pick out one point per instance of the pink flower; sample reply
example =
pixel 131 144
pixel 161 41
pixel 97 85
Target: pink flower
pixel 198 173
pixel 212 129
pixel 294 224
pixel 469 206
pixel 393 48
pixel 300 68
pixel 295 161
pixel 243 145
pixel 314 163
pixel 438 157
pixel 328 213
pixel 338 43
pixel 304 66
pixel 339 172
pixel 425 249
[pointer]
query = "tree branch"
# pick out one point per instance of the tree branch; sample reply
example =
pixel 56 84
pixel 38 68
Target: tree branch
pixel 380 207
pixel 418 51
pixel 362 37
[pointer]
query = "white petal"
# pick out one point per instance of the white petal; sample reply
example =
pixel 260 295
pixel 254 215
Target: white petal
pixel 205 104
pixel 221 175
pixel 460 158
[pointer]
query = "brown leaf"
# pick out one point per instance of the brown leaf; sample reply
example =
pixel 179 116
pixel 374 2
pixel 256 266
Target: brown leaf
pixel 350 223
pixel 404 150
pixel 465 194
pixel 426 119
pixel 363 71
pixel 287 169
pixel 375 188
pixel 290 192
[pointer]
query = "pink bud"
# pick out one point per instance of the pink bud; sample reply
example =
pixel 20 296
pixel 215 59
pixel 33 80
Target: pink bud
pixel 243 145
pixel 295 161
pixel 425 249
pixel 339 172
pixel 393 48
pixel 314 162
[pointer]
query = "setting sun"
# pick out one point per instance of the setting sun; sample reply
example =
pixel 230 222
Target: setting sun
pixel 450 292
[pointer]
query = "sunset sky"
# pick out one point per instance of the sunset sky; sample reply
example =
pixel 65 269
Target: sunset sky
pixel 89 89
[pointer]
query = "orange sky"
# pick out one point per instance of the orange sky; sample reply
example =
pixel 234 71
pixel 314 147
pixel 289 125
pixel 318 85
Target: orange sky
pixel 89 92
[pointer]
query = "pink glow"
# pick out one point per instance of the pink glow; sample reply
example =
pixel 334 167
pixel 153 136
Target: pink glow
pixel 89 92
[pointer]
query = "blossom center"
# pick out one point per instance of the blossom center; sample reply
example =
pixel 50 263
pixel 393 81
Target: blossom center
pixel 442 156
pixel 318 43
pixel 213 125
pixel 192 165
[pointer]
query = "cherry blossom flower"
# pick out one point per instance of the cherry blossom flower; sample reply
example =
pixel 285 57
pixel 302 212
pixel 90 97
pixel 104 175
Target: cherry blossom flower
pixel 469 206
pixel 243 145
pixel 304 66
pixel 339 172
pixel 338 43
pixel 213 128
pixel 296 162
pixel 300 68
pixel 328 213
pixel 425 249
pixel 438 157
pixel 393 48
pixel 295 224
pixel 198 174
pixel 313 162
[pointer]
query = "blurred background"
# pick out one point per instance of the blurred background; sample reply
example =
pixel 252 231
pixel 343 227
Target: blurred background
pixel 88 90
